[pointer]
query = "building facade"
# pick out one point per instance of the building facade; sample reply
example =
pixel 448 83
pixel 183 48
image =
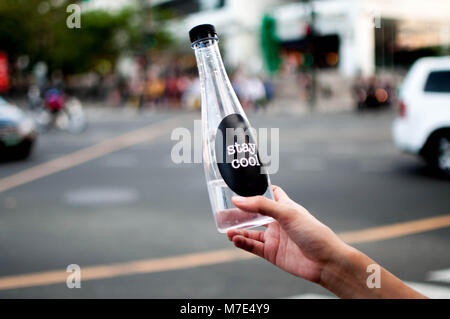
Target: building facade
pixel 364 29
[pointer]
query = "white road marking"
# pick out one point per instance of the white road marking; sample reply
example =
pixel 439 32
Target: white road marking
pixel 121 160
pixel 101 196
pixel 431 291
pixel 439 275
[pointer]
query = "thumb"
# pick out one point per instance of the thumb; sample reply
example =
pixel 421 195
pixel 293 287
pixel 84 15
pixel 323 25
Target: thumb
pixel 264 206
pixel 280 195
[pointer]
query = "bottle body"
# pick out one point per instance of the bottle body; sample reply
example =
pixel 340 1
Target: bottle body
pixel 230 153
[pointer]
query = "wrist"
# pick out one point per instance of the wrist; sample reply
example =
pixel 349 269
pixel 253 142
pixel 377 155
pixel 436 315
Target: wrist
pixel 344 273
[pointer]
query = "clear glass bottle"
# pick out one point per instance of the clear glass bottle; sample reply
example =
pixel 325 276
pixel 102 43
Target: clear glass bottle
pixel 230 153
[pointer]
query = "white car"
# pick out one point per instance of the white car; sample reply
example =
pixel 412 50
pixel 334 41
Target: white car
pixel 17 132
pixel 422 126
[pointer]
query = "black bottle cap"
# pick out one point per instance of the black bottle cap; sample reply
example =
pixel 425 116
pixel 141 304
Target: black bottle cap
pixel 202 31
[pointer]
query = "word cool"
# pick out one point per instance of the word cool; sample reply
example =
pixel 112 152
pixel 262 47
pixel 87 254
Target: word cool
pixel 244 148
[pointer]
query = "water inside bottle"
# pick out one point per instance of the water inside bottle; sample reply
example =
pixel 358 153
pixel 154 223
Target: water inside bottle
pixel 226 215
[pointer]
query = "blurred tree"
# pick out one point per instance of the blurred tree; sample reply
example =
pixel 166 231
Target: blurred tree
pixel 37 28
pixel 101 38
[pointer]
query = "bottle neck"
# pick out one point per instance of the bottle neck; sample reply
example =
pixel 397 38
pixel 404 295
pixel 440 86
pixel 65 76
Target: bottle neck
pixel 216 89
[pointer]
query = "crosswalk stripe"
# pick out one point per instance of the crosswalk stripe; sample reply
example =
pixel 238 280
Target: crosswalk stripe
pixel 431 291
pixel 439 275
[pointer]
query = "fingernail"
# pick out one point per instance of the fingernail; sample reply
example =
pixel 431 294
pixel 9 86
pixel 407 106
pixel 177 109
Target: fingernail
pixel 239 199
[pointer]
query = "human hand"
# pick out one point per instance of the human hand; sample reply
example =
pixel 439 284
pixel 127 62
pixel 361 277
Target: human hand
pixel 296 242
pixel 301 245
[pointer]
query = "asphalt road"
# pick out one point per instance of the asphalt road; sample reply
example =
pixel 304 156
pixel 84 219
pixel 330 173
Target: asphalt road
pixel 135 204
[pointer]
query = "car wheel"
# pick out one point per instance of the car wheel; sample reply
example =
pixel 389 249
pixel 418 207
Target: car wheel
pixel 440 155
pixel 25 150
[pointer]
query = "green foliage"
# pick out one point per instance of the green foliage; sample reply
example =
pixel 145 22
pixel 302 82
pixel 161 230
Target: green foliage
pixel 27 29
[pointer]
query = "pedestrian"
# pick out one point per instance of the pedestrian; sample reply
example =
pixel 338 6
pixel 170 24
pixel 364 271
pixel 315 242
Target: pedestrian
pixel 301 245
pixel 154 89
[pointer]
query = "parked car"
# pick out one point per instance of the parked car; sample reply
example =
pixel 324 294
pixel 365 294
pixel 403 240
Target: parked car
pixel 17 132
pixel 423 123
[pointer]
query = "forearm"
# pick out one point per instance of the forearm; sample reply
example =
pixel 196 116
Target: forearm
pixel 346 276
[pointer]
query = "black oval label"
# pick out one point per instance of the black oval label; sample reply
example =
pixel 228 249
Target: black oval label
pixel 238 157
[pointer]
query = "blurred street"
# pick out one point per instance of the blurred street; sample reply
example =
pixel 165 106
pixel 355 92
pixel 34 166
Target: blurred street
pixel 134 204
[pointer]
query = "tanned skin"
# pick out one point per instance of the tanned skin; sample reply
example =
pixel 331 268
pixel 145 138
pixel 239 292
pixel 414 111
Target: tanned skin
pixel 301 245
